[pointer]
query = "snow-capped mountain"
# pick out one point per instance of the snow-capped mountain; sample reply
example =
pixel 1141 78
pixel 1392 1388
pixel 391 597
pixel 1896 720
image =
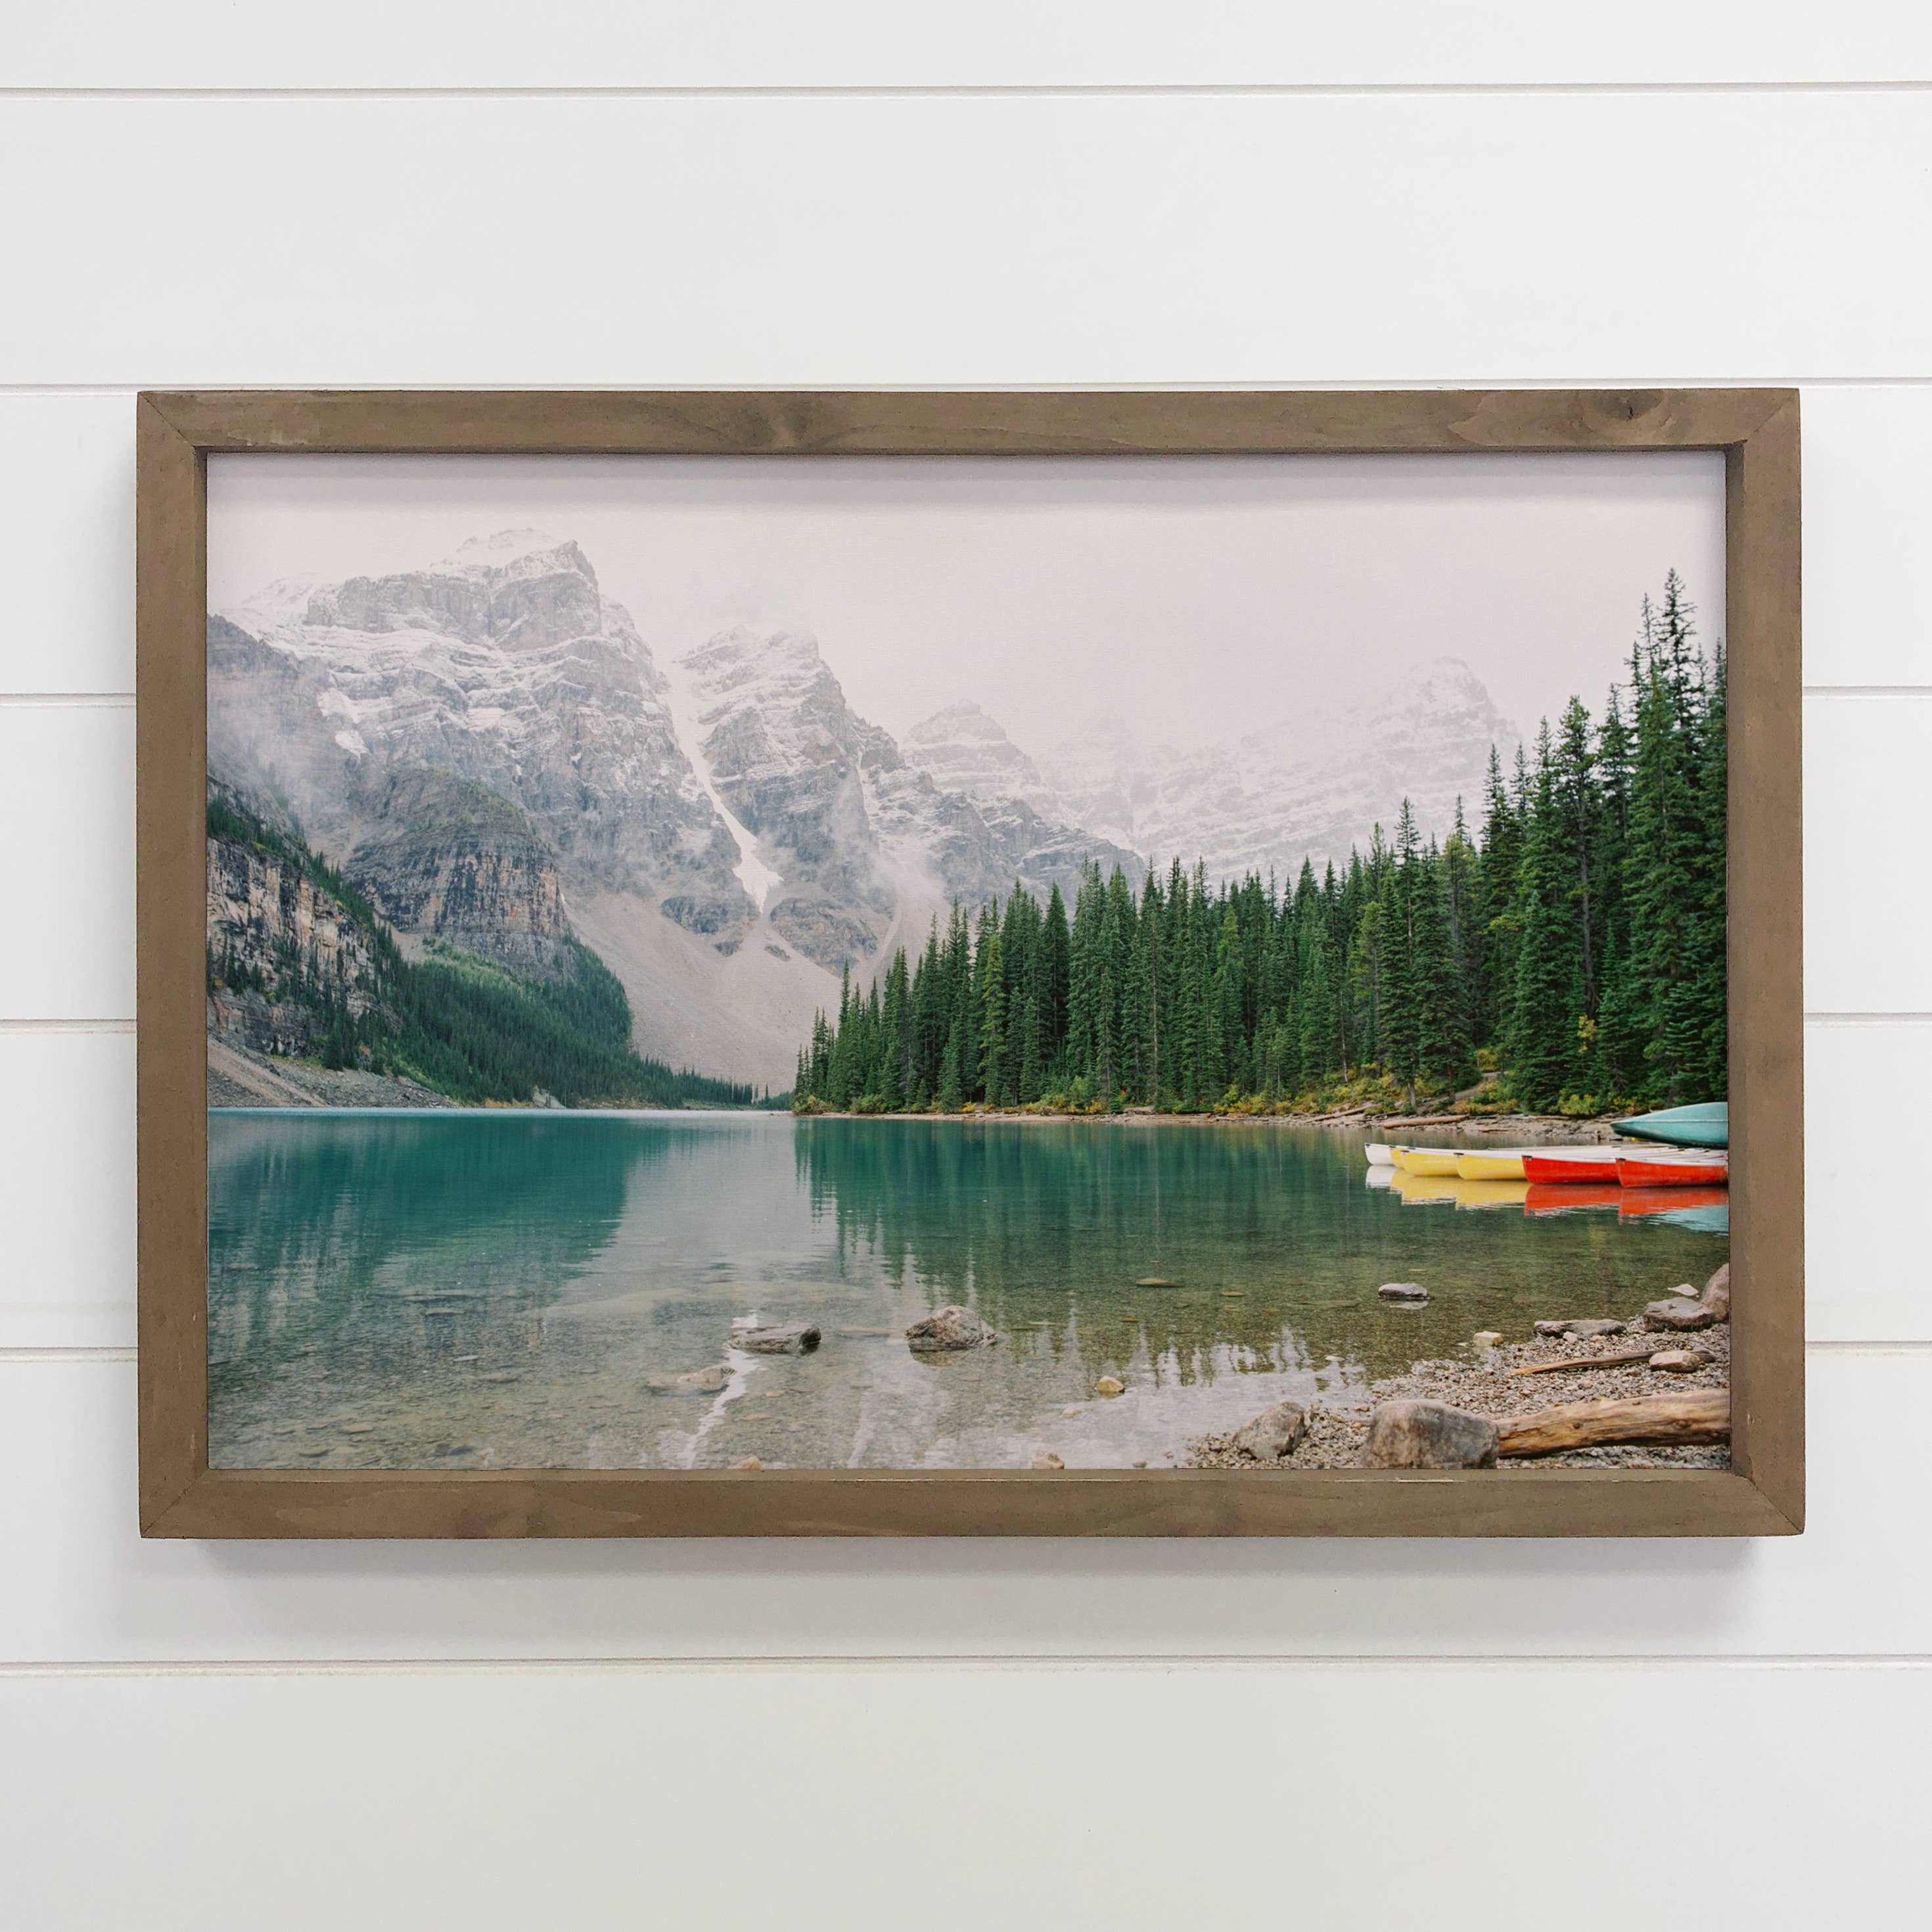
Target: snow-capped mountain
pixel 1312 787
pixel 489 749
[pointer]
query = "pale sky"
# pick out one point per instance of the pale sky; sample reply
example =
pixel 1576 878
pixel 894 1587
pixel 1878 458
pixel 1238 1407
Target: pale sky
pixel 1198 597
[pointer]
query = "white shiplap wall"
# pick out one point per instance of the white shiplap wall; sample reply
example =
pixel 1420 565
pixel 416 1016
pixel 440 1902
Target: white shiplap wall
pixel 756 193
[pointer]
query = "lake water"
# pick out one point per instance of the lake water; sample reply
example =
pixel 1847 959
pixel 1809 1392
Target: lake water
pixel 498 1289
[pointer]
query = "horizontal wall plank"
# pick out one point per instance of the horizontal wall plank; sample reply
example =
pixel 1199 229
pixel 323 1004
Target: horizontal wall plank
pixel 66 566
pixel 1865 1278
pixel 813 1799
pixel 1867 927
pixel 66 1187
pixel 981 240
pixel 1867 509
pixel 67 472
pixel 851 43
pixel 67 1190
pixel 67 861
pixel 83 1587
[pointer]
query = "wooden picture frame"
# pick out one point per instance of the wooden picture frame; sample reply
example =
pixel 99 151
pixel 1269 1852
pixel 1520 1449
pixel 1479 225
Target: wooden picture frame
pixel 1762 1494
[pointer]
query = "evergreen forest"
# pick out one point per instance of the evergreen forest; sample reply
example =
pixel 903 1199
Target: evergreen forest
pixel 1565 953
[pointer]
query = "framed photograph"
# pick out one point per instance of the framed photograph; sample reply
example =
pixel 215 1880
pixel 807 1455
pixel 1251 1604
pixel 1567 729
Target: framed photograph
pixel 917 964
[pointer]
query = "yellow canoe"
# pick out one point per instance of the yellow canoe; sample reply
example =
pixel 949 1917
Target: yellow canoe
pixel 1425 1160
pixel 1488 1164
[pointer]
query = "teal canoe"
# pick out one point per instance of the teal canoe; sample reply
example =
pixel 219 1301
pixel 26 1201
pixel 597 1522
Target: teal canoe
pixel 1706 1125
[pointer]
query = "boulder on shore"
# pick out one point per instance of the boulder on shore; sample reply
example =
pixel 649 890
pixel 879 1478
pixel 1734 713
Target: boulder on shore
pixel 1679 1361
pixel 778 1338
pixel 1402 1291
pixel 1580 1328
pixel 1274 1433
pixel 1414 1435
pixel 1678 1311
pixel 946 1328
pixel 1044 1458
pixel 1716 1295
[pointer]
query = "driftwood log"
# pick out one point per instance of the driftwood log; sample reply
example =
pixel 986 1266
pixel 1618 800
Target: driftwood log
pixel 1617 1358
pixel 1701 1415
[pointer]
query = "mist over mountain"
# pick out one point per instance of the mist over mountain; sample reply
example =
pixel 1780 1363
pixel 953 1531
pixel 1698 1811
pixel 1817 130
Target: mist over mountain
pixel 489 750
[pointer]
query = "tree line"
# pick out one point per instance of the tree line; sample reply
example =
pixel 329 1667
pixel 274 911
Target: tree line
pixel 1573 946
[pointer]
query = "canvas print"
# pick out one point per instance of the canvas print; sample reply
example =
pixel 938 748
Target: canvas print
pixel 751 964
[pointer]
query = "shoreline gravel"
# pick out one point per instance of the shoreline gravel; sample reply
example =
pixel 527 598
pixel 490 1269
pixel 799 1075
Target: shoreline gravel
pixel 1477 1381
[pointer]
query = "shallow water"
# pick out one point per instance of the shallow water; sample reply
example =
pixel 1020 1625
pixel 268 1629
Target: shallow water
pixel 499 1289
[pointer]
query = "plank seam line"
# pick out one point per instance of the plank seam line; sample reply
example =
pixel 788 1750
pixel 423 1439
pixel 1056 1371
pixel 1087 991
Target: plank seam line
pixel 1867 691
pixel 66 701
pixel 890 91
pixel 1829 1017
pixel 1030 1663
pixel 31 1026
pixel 1013 385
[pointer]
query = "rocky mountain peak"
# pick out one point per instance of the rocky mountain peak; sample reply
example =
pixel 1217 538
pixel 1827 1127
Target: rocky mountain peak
pixel 517 590
pixel 964 748
pixel 525 553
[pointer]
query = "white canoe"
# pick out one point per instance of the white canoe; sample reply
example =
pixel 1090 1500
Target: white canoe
pixel 1379 1155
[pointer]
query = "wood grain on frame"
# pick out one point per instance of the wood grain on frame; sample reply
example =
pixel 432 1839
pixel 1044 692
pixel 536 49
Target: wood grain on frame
pixel 1762 1494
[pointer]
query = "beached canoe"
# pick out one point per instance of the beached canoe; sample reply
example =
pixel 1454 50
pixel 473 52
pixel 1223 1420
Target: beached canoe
pixel 1572 1166
pixel 1711 1169
pixel 1378 1155
pixel 1708 1124
pixel 1425 1160
pixel 1492 1163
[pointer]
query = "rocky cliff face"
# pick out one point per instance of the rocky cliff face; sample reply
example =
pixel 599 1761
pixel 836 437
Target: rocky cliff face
pixel 269 923
pixel 450 860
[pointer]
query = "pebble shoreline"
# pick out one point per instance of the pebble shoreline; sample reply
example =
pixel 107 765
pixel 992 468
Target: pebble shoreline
pixel 1477 1382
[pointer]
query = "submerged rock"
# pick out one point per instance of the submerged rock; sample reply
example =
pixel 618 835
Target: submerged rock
pixel 1274 1433
pixel 1678 1311
pixel 1413 1434
pixel 1716 1295
pixel 1402 1291
pixel 749 1463
pixel 696 1381
pixel 778 1338
pixel 1110 1385
pixel 1044 1458
pixel 1155 1281
pixel 950 1327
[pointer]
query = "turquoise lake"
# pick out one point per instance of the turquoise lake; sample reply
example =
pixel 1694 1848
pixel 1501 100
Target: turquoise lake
pixel 499 1289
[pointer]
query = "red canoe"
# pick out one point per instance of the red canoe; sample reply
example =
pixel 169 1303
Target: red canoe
pixel 1571 1167
pixel 1700 1170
